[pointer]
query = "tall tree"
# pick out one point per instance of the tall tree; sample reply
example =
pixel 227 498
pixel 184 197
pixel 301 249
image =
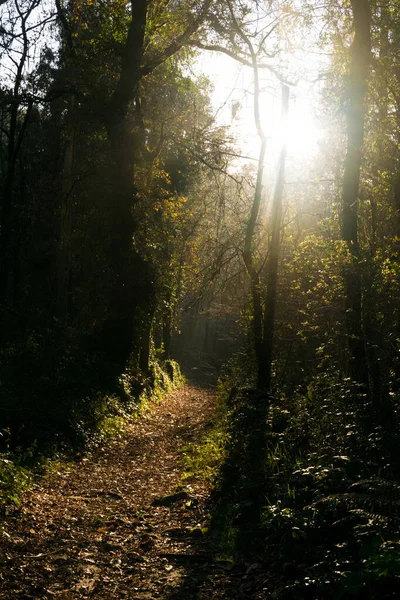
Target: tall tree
pixel 139 58
pixel 69 40
pixel 246 40
pixel 19 108
pixel 265 369
pixel 360 59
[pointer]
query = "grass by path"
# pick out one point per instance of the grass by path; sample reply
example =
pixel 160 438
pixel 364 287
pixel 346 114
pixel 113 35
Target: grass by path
pixel 119 524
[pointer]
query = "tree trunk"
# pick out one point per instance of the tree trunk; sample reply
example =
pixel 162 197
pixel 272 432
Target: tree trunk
pixel 145 346
pixel 248 256
pixel 64 242
pixel 6 230
pixel 167 331
pixel 118 326
pixel 71 30
pixel 249 260
pixel 264 374
pixel 15 138
pixel 357 87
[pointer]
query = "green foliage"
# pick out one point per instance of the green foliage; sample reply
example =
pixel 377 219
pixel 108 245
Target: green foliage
pixel 327 516
pixel 332 522
pixel 204 460
pixel 165 377
pixel 15 479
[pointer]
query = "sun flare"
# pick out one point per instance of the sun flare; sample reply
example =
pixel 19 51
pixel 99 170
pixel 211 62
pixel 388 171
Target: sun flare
pixel 233 102
pixel 303 135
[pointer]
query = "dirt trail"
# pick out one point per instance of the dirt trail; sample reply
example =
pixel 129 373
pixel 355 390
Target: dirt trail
pixel 105 529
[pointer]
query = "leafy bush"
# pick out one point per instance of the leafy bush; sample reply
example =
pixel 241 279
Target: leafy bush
pixel 334 518
pixel 321 464
pixel 14 480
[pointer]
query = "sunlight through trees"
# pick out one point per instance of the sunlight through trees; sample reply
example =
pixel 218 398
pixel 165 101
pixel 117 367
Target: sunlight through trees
pixel 215 183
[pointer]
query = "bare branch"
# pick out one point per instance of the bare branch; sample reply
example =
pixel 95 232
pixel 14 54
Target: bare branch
pixel 244 61
pixel 215 167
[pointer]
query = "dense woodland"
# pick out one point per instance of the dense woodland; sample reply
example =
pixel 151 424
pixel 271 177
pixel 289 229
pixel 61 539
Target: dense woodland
pixel 134 232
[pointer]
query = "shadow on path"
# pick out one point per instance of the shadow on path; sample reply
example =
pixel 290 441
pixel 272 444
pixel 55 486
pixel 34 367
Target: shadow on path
pixel 235 513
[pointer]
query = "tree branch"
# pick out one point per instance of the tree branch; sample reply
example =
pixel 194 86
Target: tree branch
pixel 65 24
pixel 243 61
pixel 177 44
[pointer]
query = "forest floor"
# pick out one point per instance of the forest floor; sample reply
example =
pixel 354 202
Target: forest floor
pixel 121 522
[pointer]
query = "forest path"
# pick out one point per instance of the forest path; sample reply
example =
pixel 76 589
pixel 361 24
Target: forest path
pixel 105 528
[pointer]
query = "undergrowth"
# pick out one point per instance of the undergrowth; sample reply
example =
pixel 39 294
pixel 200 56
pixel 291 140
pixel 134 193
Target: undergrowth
pixel 332 513
pixel 320 501
pixel 203 460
